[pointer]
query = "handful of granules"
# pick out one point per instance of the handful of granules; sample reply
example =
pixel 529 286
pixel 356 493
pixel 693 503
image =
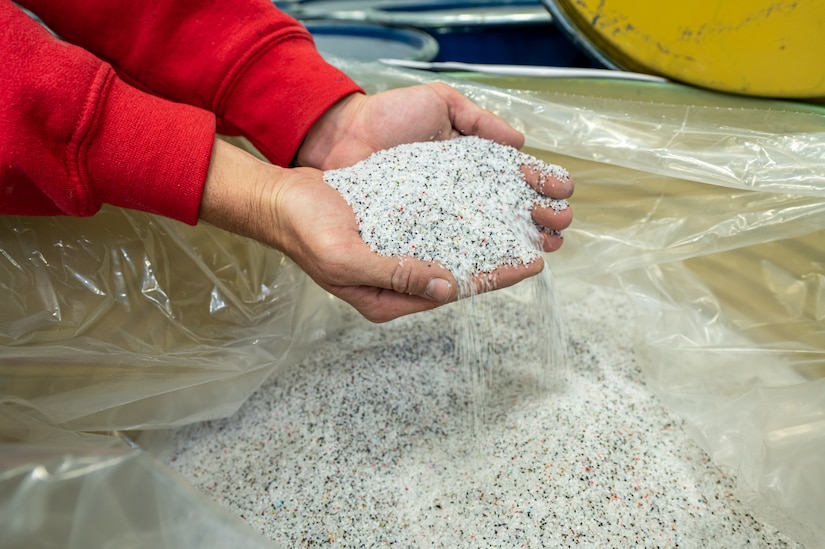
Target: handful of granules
pixel 463 203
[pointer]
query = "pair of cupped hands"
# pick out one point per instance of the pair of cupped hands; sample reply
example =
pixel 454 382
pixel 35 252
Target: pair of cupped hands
pixel 295 211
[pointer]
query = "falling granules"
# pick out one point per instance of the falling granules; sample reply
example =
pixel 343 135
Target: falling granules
pixel 463 203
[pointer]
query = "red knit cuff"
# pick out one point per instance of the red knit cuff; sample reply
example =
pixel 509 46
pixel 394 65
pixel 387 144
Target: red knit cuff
pixel 280 92
pixel 146 153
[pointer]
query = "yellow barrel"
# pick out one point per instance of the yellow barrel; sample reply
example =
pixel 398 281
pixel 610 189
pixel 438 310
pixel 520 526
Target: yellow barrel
pixel 771 48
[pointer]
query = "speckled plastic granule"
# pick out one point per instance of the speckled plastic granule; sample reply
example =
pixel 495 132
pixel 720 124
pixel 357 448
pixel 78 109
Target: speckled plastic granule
pixel 463 203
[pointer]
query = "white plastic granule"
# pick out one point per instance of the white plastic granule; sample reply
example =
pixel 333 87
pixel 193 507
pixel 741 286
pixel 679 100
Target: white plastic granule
pixel 463 203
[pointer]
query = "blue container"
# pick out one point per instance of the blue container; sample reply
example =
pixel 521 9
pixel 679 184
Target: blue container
pixel 510 32
pixel 371 42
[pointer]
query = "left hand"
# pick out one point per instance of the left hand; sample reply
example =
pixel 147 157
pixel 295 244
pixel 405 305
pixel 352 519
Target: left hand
pixel 360 125
pixel 295 211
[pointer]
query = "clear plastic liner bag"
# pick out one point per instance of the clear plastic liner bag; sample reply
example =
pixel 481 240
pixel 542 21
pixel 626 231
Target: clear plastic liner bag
pixel 115 497
pixel 130 321
pixel 706 209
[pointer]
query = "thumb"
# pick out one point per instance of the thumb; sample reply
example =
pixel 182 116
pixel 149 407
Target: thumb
pixel 440 290
pixel 384 288
pixel 411 276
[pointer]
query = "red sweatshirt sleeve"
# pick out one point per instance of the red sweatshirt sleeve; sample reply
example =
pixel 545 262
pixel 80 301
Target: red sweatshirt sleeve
pixel 246 61
pixel 75 136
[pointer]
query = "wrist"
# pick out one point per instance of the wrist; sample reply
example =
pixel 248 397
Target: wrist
pixel 235 185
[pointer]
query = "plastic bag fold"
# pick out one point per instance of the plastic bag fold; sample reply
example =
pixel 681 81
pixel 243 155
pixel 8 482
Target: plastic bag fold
pixel 76 498
pixel 128 321
pixel 708 210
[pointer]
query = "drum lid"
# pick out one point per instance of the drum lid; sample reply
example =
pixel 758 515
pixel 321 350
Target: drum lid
pixel 369 42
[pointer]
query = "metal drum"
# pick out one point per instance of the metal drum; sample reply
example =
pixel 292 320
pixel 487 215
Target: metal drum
pixel 513 32
pixel 368 42
pixel 759 47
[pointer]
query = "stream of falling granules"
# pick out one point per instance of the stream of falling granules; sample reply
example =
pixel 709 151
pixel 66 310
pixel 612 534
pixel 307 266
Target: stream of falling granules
pixel 463 203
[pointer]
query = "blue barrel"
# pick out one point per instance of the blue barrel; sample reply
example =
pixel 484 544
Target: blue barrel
pixel 370 42
pixel 510 32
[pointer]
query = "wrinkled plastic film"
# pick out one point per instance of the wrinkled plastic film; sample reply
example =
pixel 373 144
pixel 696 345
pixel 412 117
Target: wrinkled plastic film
pixel 660 128
pixel 706 209
pixel 131 321
pixel 107 497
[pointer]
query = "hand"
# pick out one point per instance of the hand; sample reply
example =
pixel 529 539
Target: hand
pixel 295 211
pixel 360 125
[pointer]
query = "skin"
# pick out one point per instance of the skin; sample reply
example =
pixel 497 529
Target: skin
pixel 295 211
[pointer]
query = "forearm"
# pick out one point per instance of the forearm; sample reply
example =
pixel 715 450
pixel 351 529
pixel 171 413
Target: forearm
pixel 75 136
pixel 250 64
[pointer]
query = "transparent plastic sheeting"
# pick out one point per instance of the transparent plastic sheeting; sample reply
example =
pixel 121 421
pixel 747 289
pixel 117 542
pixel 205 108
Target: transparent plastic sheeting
pixel 107 498
pixel 706 209
pixel 128 321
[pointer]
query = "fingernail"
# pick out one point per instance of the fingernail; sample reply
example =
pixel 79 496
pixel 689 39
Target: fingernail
pixel 439 289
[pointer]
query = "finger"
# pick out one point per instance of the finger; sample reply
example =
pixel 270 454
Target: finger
pixel 381 305
pixel 551 240
pixel 425 279
pixel 555 217
pixel 384 288
pixel 503 277
pixel 548 179
pixel 431 281
pixel 405 276
pixel 410 286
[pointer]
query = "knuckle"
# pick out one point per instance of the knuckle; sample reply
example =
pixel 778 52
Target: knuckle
pixel 401 280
